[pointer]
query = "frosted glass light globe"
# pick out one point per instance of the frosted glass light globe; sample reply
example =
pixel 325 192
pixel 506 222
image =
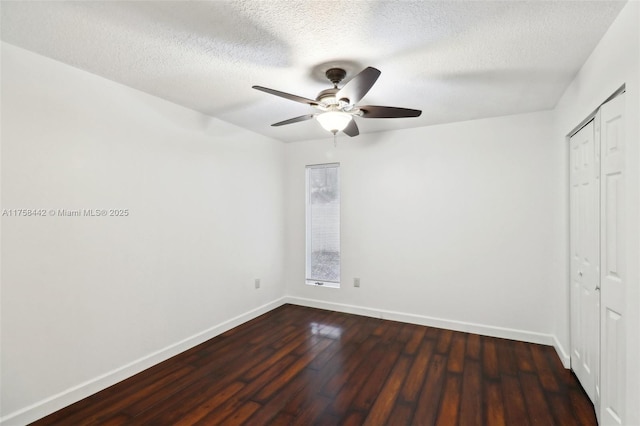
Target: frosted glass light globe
pixel 334 121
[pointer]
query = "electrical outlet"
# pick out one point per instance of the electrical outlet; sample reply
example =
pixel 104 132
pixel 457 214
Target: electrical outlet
pixel 257 282
pixel 356 282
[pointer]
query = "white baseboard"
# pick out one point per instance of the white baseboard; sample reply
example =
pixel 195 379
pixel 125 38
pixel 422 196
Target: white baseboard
pixel 67 397
pixel 485 330
pixel 562 353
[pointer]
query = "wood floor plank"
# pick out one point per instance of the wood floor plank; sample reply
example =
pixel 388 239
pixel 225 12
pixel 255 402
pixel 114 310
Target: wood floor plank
pixel 418 372
pixel 417 334
pixel 312 410
pixel 404 334
pixel 432 333
pixel 191 413
pixel 524 359
pixel 279 353
pixel 342 402
pixel 289 399
pixel 545 371
pixel 581 407
pixel 377 377
pixel 348 366
pixel 113 404
pixel 473 346
pixel 562 413
pixel 119 420
pixel 449 406
pixel 537 407
pixel 354 418
pixel 298 365
pixel 270 409
pixel 471 399
pixel 506 358
pixel 238 399
pixel 444 341
pixel 331 375
pixel 282 419
pixel 241 414
pixel 301 394
pixel 392 332
pixel 493 404
pixel 457 352
pixel 401 415
pixel 286 375
pixel 513 399
pixel 334 347
pixel 431 393
pixel 196 390
pixel 489 358
pixel 387 396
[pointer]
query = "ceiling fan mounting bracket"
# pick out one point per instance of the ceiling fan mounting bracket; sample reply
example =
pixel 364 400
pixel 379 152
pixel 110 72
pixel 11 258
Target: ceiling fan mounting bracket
pixel 335 75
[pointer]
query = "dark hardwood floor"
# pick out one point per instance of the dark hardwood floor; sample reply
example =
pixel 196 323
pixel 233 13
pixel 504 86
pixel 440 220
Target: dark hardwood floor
pixel 304 366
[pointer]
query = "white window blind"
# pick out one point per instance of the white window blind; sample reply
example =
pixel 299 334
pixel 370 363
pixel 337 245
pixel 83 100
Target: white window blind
pixel 323 225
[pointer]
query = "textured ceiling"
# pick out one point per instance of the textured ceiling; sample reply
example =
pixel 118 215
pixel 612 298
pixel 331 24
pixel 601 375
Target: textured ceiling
pixel 454 60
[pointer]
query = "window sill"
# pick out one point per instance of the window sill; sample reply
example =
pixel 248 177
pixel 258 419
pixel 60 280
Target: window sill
pixel 328 284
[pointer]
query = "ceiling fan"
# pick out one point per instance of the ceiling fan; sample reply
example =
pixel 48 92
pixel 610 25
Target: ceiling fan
pixel 337 106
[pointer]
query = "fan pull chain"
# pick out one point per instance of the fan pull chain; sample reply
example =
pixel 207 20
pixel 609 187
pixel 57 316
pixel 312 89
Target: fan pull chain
pixel 335 140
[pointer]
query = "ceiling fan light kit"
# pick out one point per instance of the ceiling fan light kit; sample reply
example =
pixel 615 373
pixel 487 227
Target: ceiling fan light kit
pixel 338 106
pixel 333 121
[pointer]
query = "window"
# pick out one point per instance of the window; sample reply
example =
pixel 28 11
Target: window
pixel 323 225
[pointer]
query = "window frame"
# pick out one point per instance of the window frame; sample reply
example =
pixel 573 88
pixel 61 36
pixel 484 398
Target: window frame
pixel 308 228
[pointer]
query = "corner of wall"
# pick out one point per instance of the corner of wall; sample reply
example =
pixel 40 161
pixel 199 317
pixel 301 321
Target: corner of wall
pixel 562 353
pixel 69 396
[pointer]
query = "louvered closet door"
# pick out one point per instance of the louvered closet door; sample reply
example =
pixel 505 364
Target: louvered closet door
pixel 585 236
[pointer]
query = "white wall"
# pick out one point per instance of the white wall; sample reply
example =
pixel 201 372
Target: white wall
pixel 451 225
pixel 614 62
pixel 84 297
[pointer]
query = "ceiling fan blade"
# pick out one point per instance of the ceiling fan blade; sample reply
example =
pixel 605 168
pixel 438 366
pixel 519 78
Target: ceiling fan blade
pixel 372 111
pixel 287 95
pixel 294 120
pixel 359 85
pixel 351 129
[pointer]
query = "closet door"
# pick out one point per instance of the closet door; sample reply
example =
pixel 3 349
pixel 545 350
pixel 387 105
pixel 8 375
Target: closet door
pixel 585 240
pixel 613 275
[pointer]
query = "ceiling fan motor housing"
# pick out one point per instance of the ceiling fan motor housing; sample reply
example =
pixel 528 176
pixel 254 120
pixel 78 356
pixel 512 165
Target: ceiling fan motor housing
pixel 335 75
pixel 328 96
